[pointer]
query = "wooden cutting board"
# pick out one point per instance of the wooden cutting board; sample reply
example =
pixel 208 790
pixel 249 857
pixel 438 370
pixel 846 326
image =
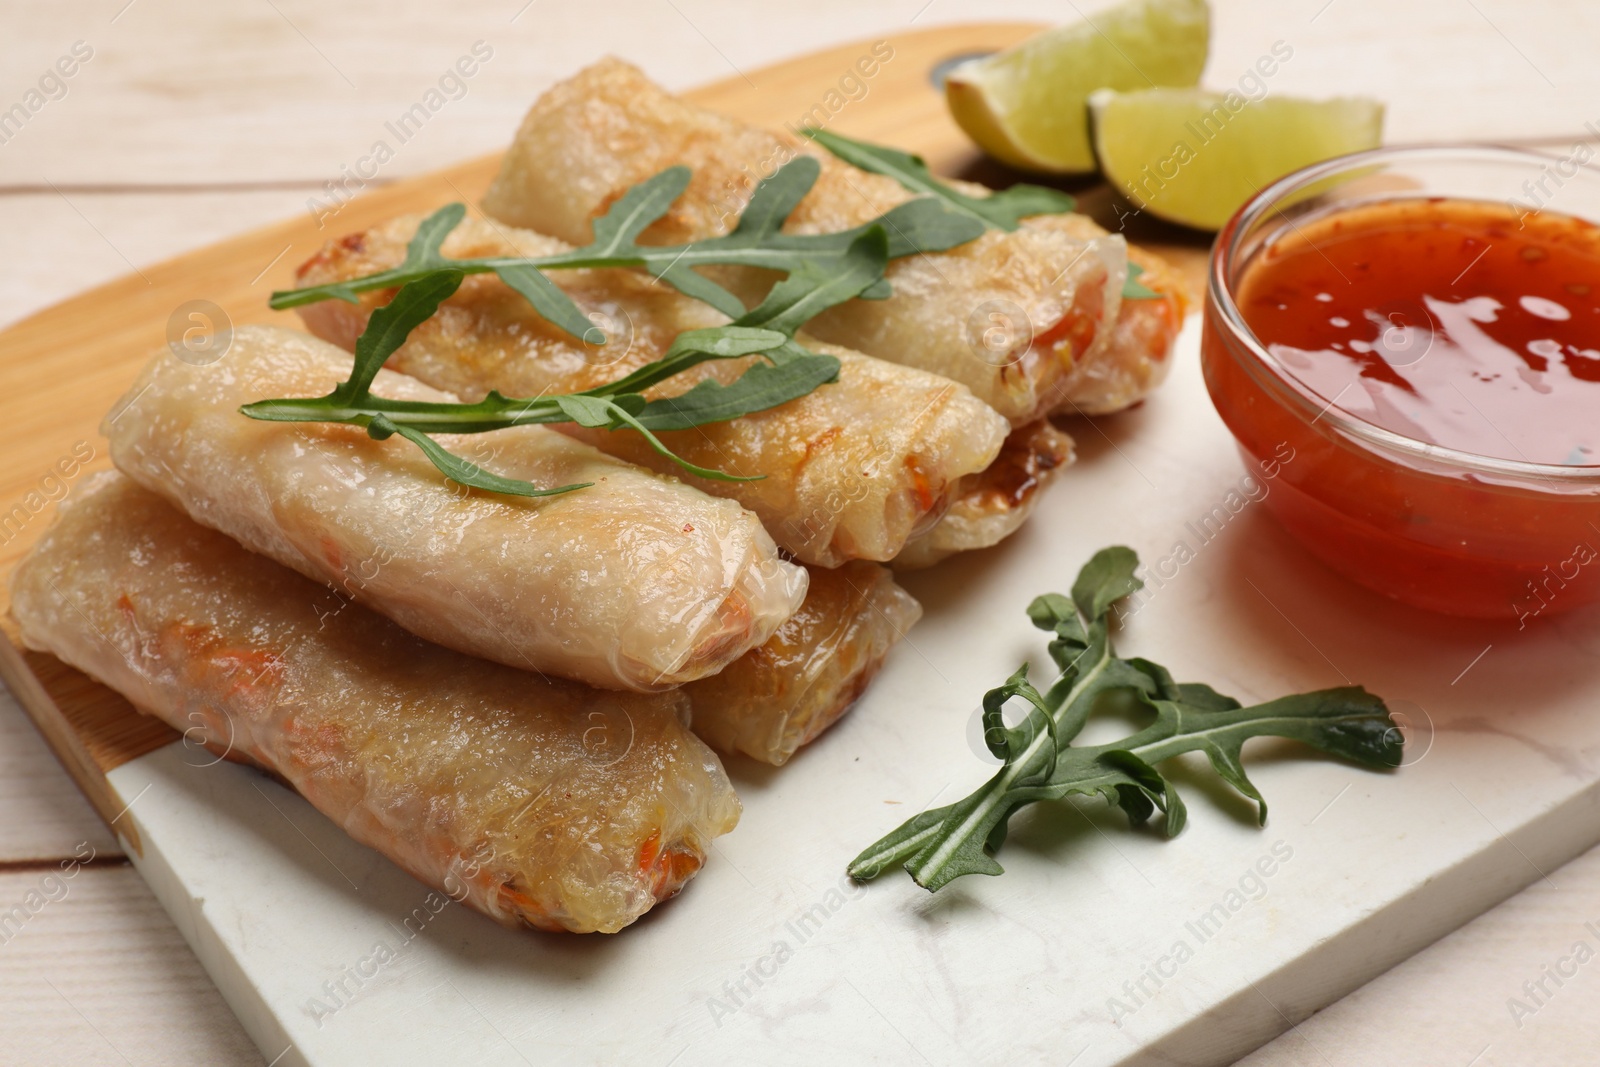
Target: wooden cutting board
pixel 1097 947
pixel 62 369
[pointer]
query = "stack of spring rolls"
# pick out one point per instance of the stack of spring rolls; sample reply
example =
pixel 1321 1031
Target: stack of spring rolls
pixel 512 697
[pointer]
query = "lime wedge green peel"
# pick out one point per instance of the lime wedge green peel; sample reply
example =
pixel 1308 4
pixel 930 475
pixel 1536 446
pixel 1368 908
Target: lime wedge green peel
pixel 1025 105
pixel 1194 157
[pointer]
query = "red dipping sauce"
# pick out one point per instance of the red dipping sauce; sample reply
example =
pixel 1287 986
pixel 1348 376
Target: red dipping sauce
pixel 1433 363
pixel 1444 320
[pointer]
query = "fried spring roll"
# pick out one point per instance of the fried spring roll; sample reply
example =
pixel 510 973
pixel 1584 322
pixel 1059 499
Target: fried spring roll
pixel 785 693
pixel 1134 356
pixel 990 506
pixel 639 582
pixel 537 802
pixel 1009 315
pixel 852 470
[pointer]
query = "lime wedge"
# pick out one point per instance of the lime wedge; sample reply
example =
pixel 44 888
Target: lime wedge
pixel 1194 157
pixel 1024 106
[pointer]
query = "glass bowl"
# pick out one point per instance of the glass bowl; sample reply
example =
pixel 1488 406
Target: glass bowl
pixel 1435 527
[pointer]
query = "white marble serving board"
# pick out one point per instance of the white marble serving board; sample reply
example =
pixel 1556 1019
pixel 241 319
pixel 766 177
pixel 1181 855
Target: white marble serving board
pixel 1089 951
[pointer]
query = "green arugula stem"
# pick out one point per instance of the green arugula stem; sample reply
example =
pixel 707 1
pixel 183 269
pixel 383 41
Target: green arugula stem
pixel 787 370
pixel 652 258
pixel 1034 762
pixel 942 844
pixel 757 241
pixel 821 271
pixel 1003 209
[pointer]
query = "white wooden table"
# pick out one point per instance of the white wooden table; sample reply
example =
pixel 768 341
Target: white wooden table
pixel 190 121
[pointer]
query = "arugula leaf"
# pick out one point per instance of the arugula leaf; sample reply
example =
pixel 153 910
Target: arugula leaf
pixel 590 411
pixel 1133 288
pixel 756 241
pixel 775 198
pixel 920 225
pixel 616 243
pixel 1106 578
pixel 618 229
pixel 691 283
pixel 1006 742
pixel 811 289
pixel 821 270
pixel 1002 210
pixel 550 301
pixel 690 349
pixel 762 386
pixel 422 253
pixel 789 371
pixel 942 844
pixel 622 417
pixel 391 324
pixel 924 226
pixel 460 470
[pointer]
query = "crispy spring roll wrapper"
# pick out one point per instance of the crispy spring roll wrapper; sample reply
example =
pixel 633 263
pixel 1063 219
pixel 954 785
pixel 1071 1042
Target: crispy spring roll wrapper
pixel 853 470
pixel 537 802
pixel 1008 315
pixel 1133 357
pixel 782 695
pixel 992 505
pixel 638 582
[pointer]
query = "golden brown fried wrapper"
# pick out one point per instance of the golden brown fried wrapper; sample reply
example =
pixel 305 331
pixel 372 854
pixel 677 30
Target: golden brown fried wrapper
pixel 852 470
pixel 637 582
pixel 535 801
pixel 783 694
pixel 1009 315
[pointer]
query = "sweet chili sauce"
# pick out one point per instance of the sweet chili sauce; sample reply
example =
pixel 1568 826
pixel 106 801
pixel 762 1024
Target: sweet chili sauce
pixel 1452 322
pixel 1456 323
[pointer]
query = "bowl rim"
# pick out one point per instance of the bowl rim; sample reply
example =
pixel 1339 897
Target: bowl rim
pixel 1222 309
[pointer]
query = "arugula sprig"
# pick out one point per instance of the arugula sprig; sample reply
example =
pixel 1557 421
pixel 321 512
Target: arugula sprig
pixel 756 241
pixel 1002 210
pixel 943 844
pixel 820 270
pixel 787 371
